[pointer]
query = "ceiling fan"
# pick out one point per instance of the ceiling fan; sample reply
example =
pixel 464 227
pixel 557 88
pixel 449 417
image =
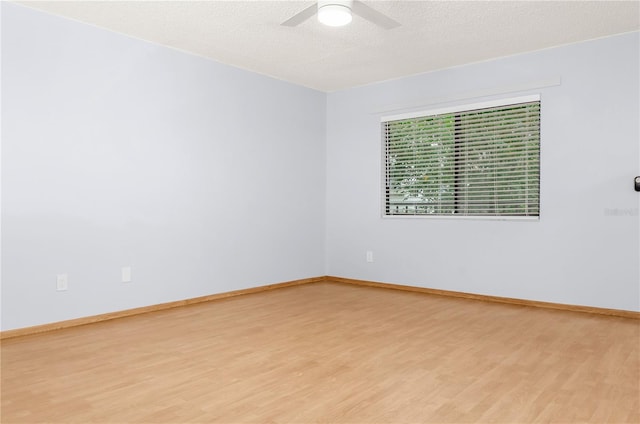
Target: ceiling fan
pixel 338 13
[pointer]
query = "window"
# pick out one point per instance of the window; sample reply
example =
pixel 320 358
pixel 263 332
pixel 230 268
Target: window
pixel 481 160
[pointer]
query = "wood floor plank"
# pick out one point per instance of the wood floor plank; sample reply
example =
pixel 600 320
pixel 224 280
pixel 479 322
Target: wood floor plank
pixel 328 352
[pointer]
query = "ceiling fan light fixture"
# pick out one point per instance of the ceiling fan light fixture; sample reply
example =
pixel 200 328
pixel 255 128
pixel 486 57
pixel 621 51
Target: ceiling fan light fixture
pixel 334 14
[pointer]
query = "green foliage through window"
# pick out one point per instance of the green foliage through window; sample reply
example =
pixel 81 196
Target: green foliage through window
pixel 482 162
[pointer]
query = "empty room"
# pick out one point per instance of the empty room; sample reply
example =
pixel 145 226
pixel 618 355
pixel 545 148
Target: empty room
pixel 320 212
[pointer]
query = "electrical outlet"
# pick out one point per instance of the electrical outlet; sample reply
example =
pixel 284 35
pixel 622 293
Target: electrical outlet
pixel 126 274
pixel 369 256
pixel 62 282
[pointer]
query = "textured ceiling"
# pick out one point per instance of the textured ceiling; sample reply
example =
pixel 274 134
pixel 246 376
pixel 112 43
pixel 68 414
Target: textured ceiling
pixel 433 35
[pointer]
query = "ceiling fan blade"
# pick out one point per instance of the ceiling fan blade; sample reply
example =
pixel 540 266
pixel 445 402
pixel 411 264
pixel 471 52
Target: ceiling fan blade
pixel 372 15
pixel 302 16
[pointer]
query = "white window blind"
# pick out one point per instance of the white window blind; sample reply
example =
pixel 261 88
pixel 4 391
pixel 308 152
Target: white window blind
pixel 479 161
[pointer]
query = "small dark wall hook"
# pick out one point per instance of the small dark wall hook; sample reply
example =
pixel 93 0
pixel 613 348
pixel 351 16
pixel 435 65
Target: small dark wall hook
pixel 637 183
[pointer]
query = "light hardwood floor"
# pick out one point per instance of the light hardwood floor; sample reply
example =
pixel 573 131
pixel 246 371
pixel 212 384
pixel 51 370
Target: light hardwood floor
pixel 330 353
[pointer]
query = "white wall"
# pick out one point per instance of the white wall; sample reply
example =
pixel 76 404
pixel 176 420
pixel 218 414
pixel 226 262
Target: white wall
pixel 584 250
pixel 202 177
pixel 206 178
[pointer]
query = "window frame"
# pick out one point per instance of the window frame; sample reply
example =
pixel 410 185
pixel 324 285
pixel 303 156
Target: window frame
pixel 450 110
